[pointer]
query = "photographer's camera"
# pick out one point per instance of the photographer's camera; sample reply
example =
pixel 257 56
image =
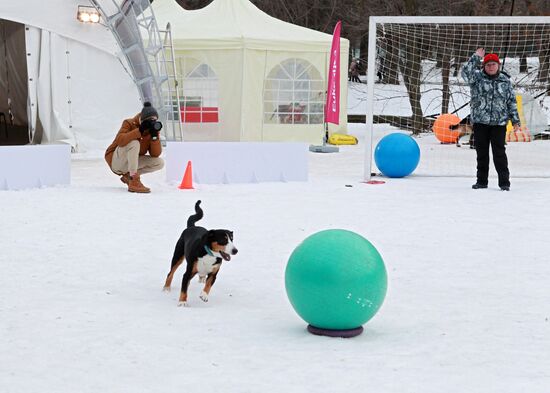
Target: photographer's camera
pixel 154 129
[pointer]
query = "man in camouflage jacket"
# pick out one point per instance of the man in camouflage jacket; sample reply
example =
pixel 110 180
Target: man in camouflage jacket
pixel 493 103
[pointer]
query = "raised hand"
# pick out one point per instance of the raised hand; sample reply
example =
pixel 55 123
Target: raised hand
pixel 480 52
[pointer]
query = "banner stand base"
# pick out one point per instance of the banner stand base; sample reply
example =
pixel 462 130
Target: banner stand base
pixel 323 149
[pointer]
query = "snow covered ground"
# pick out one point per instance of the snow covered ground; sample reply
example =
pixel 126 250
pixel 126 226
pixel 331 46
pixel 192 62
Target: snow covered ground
pixel 81 306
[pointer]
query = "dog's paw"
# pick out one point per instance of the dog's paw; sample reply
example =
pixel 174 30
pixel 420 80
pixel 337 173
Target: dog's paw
pixel 202 279
pixel 204 296
pixel 183 304
pixel 165 289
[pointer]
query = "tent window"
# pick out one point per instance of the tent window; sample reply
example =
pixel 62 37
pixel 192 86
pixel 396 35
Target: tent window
pixel 293 94
pixel 199 90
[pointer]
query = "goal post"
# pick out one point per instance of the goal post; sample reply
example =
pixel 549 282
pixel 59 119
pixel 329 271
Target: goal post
pixel 414 76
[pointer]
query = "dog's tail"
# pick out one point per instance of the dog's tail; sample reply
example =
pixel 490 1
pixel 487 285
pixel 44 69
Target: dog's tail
pixel 195 217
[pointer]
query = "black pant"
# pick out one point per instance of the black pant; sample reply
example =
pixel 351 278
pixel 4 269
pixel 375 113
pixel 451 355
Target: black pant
pixel 495 136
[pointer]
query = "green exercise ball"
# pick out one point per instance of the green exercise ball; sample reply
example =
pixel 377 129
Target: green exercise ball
pixel 336 279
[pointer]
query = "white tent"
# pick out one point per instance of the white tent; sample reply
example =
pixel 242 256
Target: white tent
pixel 246 76
pixel 535 119
pixel 62 77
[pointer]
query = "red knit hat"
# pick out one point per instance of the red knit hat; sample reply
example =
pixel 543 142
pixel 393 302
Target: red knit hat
pixel 491 57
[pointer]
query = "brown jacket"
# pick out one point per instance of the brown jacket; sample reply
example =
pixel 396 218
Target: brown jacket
pixel 128 132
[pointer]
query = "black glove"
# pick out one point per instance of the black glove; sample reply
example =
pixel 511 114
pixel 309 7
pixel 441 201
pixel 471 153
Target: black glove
pixel 154 133
pixel 144 126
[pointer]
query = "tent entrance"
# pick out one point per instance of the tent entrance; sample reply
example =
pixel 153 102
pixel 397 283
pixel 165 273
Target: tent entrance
pixel 13 84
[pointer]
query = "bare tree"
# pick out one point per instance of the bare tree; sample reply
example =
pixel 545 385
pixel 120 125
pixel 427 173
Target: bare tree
pixel 322 15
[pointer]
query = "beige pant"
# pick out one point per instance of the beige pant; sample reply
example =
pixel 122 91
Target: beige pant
pixel 127 160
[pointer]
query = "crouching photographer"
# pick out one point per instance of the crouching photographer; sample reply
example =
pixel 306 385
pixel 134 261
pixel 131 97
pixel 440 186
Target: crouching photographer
pixel 127 155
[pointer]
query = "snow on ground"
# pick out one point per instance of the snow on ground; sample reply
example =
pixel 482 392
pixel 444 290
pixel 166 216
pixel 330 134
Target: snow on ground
pixel 530 159
pixel 81 307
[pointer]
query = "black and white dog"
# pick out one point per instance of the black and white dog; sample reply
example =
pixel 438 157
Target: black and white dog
pixel 203 250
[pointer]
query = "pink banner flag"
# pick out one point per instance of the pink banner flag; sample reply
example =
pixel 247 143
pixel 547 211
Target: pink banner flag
pixel 332 106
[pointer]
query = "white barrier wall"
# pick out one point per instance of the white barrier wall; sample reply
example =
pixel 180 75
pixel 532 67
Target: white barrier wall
pixel 237 162
pixel 33 166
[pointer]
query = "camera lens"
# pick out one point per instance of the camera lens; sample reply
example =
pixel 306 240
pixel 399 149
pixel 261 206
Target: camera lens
pixel 157 126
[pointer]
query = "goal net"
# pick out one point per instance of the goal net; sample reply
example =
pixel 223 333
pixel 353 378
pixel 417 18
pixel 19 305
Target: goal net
pixel 414 77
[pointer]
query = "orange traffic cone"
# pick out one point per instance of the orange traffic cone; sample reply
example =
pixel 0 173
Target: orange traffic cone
pixel 187 181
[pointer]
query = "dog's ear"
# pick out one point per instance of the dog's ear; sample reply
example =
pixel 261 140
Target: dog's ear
pixel 215 235
pixel 230 235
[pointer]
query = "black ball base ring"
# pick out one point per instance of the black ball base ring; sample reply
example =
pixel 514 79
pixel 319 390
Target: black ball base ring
pixel 344 333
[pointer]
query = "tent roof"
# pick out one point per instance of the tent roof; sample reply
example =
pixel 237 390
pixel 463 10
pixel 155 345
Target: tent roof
pixel 236 23
pixel 59 16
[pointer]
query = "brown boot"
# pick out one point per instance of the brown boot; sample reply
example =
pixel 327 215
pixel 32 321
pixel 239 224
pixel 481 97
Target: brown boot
pixel 125 178
pixel 135 185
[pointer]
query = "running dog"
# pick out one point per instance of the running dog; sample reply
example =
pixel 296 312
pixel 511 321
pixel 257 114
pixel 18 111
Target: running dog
pixel 204 251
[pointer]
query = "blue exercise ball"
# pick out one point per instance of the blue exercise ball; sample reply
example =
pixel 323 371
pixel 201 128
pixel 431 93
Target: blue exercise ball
pixel 397 155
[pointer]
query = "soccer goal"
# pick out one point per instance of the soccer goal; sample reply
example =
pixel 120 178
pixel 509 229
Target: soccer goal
pixel 414 77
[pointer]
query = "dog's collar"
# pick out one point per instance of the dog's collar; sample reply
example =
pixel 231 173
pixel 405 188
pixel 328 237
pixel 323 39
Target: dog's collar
pixel 208 251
